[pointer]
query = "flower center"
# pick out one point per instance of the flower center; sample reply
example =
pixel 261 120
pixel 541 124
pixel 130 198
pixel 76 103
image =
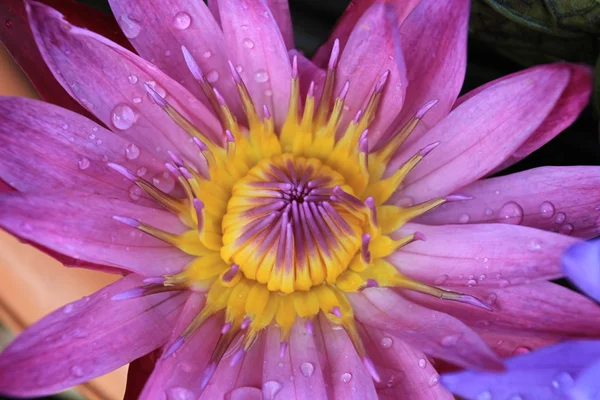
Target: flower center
pixel 284 227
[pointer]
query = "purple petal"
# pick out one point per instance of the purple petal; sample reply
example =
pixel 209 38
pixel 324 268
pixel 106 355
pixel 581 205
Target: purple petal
pixel 581 264
pixel 82 227
pixel 548 374
pixel 87 338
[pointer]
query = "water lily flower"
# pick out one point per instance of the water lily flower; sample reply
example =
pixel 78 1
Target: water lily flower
pixel 261 204
pixel 565 371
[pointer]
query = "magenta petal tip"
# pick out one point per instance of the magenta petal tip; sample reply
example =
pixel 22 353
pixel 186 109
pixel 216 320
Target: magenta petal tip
pixel 129 294
pixel 208 373
pixel 155 96
pixel 424 108
pixel 371 369
pixel 236 76
pixel 123 171
pixel 335 53
pixel 282 349
pixel 155 280
pixel 176 345
pixel 465 298
pixel 458 197
pixel 134 223
pixel 419 236
pixel 191 64
pixel 428 149
pixel 237 357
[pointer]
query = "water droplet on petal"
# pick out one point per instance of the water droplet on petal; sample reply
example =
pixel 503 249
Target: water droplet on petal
pixel 547 209
pixel 481 277
pixel 488 212
pixel 130 27
pixel 387 342
pixel 270 389
pixel 244 27
pixel 440 279
pixel 511 213
pixel 123 116
pixel 239 68
pixel 450 340
pixel 346 377
pixel 463 219
pixel 135 192
pixel 491 299
pixel 182 20
pixel 68 308
pixel 307 369
pixel 132 151
pixel 484 396
pixel 141 171
pixel 212 76
pixel 248 43
pixel 261 76
pixel 164 183
pixel 137 100
pixel 563 382
pixel 179 393
pixel 207 54
pixel 268 92
pixel 83 163
pixel 157 88
pixel 566 229
pixel 65 126
pixel 534 245
pixel 95 129
pixel 133 79
pixel 471 282
pixel 520 350
pixel 77 371
pixel 434 380
pixel 422 363
pixel 560 218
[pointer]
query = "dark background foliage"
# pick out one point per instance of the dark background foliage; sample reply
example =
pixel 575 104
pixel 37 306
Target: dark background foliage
pixel 504 36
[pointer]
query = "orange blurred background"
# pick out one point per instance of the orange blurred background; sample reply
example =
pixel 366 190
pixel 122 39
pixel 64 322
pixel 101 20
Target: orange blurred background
pixel 33 284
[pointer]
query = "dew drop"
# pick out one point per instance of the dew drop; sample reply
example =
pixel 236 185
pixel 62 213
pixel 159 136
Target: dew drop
pixel 244 27
pixel 130 27
pixel 239 68
pixel 270 389
pixel 95 129
pixel 123 116
pixel 471 282
pixel 132 151
pixel 307 369
pixel 387 342
pixel 135 192
pixel 484 396
pixel 68 308
pixel 563 382
pixel 346 377
pixel 488 212
pixel 65 126
pixel 597 208
pixel 207 54
pixel 141 171
pixel 167 53
pixel 433 380
pixel 248 43
pixel 261 76
pixel 560 218
pixel 137 100
pixel 481 277
pixel 464 219
pixel 8 23
pixel 77 371
pixel 179 393
pixel 491 299
pixel 547 209
pixel 164 183
pixel 511 213
pixel 422 363
pixel 212 76
pixel 534 245
pixel 440 279
pixel 566 229
pixel 520 350
pixel 268 92
pixel 83 163
pixel 450 340
pixel 182 20
pixel 133 79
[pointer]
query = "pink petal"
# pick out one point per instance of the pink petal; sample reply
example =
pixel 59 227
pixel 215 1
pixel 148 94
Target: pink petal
pixel 255 44
pixel 87 338
pixel 566 110
pixel 349 19
pixel 99 74
pixel 495 255
pixel 373 48
pixel 82 226
pixel 437 334
pixel 301 362
pixel 180 373
pixel 19 41
pixel 563 199
pixel 5 187
pixel 406 372
pixel 244 378
pixel 342 368
pixel 525 317
pixel 166 26
pixel 213 6
pixel 482 132
pixel 48 148
pixel 138 373
pixel 434 43
pixel 281 12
